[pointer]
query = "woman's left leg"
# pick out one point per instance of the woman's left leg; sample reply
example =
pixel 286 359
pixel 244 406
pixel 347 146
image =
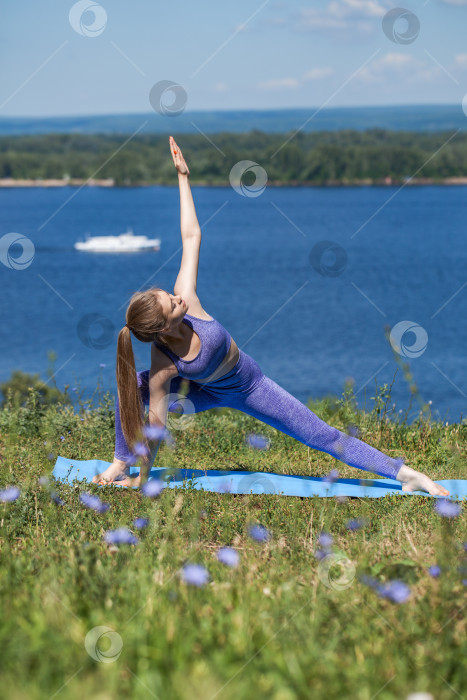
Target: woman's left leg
pixel 270 403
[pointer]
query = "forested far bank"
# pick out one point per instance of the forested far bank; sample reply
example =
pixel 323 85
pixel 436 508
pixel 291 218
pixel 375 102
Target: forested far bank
pixel 315 158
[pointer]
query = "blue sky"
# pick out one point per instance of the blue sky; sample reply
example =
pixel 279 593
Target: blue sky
pixel 251 54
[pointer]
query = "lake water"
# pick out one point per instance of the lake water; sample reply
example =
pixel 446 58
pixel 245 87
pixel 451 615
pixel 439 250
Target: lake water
pixel 312 314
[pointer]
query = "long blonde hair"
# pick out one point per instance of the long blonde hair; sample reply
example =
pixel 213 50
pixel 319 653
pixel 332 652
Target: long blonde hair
pixel 145 316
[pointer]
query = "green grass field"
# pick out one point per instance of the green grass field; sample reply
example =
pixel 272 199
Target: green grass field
pixel 285 623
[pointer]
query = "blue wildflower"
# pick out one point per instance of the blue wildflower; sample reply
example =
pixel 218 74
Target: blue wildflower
pixel 11 493
pixel 321 554
pixel 61 437
pixel 325 540
pixel 56 499
pixel 259 533
pixel 140 522
pixel 155 432
pixel 434 571
pixel 51 456
pixel 331 477
pixel 120 536
pixel 93 502
pixel 355 524
pixel 102 364
pixel 447 508
pixel 228 556
pixel 195 574
pixel 153 488
pixel 140 449
pixel 258 442
pixel 397 591
pixel 352 430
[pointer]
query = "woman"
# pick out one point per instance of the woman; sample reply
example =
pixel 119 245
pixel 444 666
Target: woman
pixel 194 351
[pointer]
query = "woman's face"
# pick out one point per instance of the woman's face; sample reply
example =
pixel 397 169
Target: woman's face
pixel 174 308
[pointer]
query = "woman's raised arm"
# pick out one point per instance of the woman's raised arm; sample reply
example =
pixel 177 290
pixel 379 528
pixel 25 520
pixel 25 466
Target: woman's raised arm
pixel 189 224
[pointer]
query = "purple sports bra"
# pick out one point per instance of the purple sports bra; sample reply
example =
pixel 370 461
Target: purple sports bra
pixel 215 344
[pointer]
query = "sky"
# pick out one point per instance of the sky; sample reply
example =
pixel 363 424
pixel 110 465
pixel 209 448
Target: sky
pixel 82 58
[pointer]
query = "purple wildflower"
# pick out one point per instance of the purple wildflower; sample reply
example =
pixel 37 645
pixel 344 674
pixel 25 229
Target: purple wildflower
pixel 56 499
pixel 397 591
pixel 331 477
pixel 259 533
pixel 321 554
pixel 434 571
pixel 93 502
pixel 140 449
pixel 228 556
pixel 325 540
pixel 102 364
pixel 355 524
pixel 51 456
pixel 352 430
pixel 61 437
pixel 156 432
pixel 447 508
pixel 11 493
pixel 44 480
pixel 140 522
pixel 195 574
pixel 120 536
pixel 258 442
pixel 153 488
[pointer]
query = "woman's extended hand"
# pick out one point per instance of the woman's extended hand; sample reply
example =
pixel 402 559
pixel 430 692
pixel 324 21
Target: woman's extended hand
pixel 179 160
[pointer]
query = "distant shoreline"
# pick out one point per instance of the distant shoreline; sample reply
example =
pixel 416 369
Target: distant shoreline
pixel 385 182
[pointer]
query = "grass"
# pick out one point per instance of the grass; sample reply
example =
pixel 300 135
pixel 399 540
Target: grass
pixel 284 624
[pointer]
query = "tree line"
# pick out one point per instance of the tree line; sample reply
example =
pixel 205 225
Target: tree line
pixel 316 157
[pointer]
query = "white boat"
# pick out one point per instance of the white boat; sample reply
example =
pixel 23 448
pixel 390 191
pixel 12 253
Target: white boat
pixel 124 243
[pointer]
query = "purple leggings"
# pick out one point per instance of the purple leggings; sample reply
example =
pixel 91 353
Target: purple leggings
pixel 247 389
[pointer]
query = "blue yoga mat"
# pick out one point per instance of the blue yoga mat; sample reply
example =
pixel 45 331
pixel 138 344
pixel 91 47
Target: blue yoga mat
pixel 223 481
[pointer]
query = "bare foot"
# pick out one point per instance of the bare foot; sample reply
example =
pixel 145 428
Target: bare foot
pixel 115 472
pixel 412 480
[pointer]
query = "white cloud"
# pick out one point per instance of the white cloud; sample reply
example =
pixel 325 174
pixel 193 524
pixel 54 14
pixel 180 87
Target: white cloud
pixel 319 73
pixel 342 14
pixel 455 2
pixel 220 87
pixel 400 66
pixel 279 84
pixel 461 60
